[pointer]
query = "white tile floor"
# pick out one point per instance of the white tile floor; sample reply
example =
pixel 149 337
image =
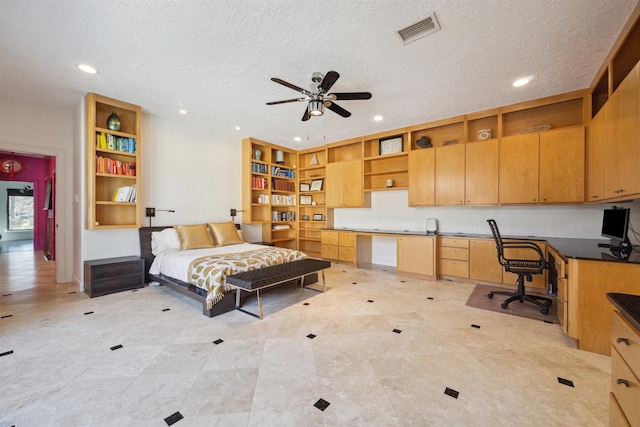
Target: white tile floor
pixel 62 371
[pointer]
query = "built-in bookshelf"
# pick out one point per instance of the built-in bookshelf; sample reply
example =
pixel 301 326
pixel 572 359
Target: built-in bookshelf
pixel 313 213
pixel 269 196
pixel 113 163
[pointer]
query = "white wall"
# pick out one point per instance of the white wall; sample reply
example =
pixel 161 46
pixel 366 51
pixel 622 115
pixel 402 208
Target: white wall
pixel 46 130
pixel 389 211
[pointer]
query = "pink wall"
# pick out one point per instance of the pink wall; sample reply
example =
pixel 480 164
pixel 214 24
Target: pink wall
pixel 36 170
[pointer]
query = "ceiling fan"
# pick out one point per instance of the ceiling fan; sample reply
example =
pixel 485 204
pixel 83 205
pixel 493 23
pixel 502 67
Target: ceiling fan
pixel 318 97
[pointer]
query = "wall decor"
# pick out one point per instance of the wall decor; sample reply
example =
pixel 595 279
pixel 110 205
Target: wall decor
pixel 316 185
pixel 113 122
pixel 484 134
pixel 317 217
pixel 424 142
pixel 305 217
pixel 305 200
pixel 305 186
pixel 391 145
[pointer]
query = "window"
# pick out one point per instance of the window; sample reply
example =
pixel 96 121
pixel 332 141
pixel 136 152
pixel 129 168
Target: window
pixel 20 209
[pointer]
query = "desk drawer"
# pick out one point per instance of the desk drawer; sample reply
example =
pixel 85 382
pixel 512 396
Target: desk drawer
pixel 347 238
pixel 627 396
pixel 616 416
pixel 329 251
pixel 629 345
pixel 329 237
pixel 455 268
pixel 455 242
pixel 347 254
pixel 454 253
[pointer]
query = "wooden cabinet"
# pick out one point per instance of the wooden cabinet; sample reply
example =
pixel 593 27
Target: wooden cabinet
pixel 449 175
pixel 562 292
pixel 113 164
pixel 454 257
pixel 519 169
pixel 422 177
pixel 269 193
pixel 345 184
pixel 623 139
pixel 596 157
pixel 312 218
pixel 483 261
pixel 106 276
pixel 416 255
pixel 562 159
pixel 539 281
pixel 339 245
pixel 388 171
pixel 482 172
pixel 625 371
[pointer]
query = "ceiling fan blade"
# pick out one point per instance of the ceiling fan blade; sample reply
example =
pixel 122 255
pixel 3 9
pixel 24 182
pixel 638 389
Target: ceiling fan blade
pixel 306 116
pixel 344 96
pixel 337 109
pixel 290 86
pixel 287 100
pixel 328 81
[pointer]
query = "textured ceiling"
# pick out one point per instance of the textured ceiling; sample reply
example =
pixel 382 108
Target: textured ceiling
pixel 215 58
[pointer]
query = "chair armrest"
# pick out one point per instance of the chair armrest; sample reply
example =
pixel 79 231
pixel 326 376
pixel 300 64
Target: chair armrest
pixel 524 245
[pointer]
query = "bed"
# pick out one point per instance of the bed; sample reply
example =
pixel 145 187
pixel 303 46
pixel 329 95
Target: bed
pixel 199 268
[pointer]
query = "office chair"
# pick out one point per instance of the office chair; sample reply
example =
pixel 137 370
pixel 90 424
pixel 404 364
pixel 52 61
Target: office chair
pixel 524 268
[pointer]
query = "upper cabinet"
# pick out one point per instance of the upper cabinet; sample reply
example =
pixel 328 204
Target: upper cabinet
pixel 596 157
pixel 562 158
pixel 481 172
pixel 345 178
pixel 450 171
pixel 113 163
pixel 519 169
pixel 422 177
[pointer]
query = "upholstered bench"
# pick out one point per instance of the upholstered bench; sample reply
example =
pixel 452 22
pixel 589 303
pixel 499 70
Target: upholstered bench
pixel 262 278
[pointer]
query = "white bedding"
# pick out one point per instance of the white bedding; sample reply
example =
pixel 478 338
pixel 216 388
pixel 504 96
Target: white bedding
pixel 175 263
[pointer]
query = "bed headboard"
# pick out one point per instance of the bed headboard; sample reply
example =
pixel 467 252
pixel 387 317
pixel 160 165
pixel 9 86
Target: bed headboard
pixel 145 248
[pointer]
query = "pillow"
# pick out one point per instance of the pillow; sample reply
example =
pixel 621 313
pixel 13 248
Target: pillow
pixel 193 236
pixel 165 239
pixel 224 233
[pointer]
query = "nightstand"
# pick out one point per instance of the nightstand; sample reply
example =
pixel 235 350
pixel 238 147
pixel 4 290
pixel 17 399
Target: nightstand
pixel 106 276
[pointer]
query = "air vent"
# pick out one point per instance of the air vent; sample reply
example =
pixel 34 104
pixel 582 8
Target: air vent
pixel 420 29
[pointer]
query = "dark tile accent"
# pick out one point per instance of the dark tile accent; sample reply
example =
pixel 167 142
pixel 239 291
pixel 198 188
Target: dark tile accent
pixel 565 382
pixel 116 347
pixel 72 292
pixel 354 283
pixel 403 281
pixel 397 331
pixel 6 353
pixel 311 336
pixel 322 404
pixel 306 303
pixel 473 325
pixel 134 290
pixel 344 271
pixel 431 298
pixel 451 392
pixel 369 300
pixel 6 315
pixel 166 309
pixel 218 341
pixel 173 418
pixel 88 312
pixel 548 321
pixel 384 269
pixel 5 295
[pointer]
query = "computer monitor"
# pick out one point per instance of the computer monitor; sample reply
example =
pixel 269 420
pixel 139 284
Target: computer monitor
pixel 615 223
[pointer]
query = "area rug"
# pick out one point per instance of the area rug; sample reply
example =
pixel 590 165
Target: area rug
pixel 479 299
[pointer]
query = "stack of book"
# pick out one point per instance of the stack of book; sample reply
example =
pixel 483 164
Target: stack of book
pixel 105 141
pixel 108 165
pixel 124 194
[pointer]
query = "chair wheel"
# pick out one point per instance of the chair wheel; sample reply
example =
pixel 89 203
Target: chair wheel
pixel 490 295
pixel 544 310
pixel 504 305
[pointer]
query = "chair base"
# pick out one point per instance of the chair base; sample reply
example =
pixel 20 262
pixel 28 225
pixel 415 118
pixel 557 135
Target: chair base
pixel 542 302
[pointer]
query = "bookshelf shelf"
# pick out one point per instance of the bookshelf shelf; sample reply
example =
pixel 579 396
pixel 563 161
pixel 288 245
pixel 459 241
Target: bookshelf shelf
pixel 117 151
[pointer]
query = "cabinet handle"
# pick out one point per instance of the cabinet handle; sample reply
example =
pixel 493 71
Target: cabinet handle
pixel 623 382
pixel 624 340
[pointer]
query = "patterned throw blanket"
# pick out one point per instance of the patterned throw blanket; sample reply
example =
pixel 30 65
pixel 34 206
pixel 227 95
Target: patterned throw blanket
pixel 210 272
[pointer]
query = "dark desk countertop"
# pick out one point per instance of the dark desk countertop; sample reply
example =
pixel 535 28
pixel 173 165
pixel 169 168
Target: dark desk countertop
pixel 629 306
pixel 586 249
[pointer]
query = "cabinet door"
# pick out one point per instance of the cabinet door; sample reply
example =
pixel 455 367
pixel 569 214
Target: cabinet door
pixel 562 166
pixel 623 138
pixel 483 261
pixel 519 161
pixel 334 188
pixel 416 255
pixel 353 184
pixel 450 165
pixel 595 156
pixel 422 177
pixel 481 172
pixel 539 282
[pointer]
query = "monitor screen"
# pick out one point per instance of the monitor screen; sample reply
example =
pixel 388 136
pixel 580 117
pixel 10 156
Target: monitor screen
pixel 615 223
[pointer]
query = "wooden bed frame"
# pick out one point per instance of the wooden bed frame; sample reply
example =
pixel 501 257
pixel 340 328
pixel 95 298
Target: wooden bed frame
pixel 223 306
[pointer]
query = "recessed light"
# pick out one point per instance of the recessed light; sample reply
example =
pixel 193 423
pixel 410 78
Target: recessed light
pixel 521 82
pixel 297 138
pixel 87 69
pixel 182 111
pixel 237 128
pixel 377 118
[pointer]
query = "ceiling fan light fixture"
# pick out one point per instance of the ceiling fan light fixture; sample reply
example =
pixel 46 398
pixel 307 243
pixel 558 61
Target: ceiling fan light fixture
pixel 316 107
